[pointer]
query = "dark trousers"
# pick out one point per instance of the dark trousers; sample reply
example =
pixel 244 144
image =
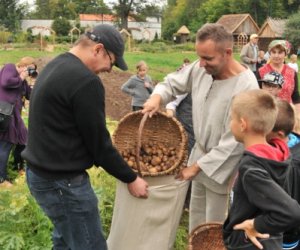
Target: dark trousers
pixel 18 160
pixel 71 205
pixel 5 148
pixel 135 108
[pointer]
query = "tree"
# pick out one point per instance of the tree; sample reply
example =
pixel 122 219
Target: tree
pixel 258 9
pixel 186 12
pixel 65 9
pixel 91 7
pixel 135 8
pixel 170 23
pixel 291 6
pixel 61 26
pixel 11 14
pixel 212 10
pixel 292 30
pixel 43 9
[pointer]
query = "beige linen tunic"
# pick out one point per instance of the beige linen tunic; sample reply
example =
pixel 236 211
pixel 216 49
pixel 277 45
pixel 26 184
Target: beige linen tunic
pixel 216 151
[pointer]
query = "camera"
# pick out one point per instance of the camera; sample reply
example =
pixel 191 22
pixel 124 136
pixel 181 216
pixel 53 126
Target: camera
pixel 32 72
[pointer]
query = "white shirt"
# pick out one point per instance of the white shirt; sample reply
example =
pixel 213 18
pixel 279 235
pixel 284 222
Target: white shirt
pixel 294 66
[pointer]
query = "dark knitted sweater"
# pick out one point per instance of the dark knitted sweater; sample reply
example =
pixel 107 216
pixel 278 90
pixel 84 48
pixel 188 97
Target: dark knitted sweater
pixel 67 131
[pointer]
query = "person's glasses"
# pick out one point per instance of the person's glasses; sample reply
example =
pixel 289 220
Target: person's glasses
pixel 111 61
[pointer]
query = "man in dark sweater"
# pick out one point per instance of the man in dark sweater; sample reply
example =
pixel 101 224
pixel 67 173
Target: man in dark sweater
pixel 68 134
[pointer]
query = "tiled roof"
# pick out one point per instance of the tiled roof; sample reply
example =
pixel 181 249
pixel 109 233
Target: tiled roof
pixel 276 25
pixel 100 17
pixel 232 21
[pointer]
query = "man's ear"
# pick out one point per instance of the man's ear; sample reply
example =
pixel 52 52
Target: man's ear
pixel 228 51
pixel 98 47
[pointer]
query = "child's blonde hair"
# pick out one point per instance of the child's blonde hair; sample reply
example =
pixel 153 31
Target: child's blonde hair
pixel 258 107
pixel 141 64
pixel 26 61
pixel 293 57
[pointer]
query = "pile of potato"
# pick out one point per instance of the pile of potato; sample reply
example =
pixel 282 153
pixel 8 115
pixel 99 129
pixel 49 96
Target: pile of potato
pixel 154 157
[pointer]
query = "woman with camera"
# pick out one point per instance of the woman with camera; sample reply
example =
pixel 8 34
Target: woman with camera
pixel 13 88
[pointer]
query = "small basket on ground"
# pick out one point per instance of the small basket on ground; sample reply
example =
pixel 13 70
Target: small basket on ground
pixel 136 130
pixel 207 236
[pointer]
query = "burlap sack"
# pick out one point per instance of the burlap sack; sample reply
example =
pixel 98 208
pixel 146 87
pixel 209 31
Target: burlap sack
pixel 147 224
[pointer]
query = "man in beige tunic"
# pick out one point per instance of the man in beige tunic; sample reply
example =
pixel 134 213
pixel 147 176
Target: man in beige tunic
pixel 213 80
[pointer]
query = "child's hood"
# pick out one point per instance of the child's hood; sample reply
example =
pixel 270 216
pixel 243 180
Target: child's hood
pixel 274 158
pixel 276 151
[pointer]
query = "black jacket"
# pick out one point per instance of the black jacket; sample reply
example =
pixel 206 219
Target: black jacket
pixel 258 194
pixel 67 131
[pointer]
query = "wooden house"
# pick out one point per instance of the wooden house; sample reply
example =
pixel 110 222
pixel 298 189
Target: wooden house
pixel 270 30
pixel 241 26
pixel 182 35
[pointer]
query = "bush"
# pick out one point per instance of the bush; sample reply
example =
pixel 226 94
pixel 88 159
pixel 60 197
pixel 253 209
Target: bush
pixel 61 26
pixel 153 47
pixel 4 35
pixel 21 37
pixel 23 225
pixel 63 39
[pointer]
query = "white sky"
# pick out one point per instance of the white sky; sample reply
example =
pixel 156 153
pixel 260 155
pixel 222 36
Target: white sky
pixel 30 2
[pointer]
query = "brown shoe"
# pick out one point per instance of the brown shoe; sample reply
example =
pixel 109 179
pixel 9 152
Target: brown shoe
pixel 6 184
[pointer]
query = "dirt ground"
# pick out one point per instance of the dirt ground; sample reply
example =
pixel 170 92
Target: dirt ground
pixel 117 104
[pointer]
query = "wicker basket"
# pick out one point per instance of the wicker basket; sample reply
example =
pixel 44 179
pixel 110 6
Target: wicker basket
pixel 207 236
pixel 135 128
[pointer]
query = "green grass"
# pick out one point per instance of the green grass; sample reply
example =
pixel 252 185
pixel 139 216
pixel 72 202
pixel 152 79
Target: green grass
pixel 13 56
pixel 160 64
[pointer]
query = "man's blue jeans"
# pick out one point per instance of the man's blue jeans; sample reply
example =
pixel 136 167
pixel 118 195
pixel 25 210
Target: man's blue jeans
pixel 71 205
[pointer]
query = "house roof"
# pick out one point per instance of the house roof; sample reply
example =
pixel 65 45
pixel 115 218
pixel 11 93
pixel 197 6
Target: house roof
pixel 232 21
pixel 100 17
pixel 183 30
pixel 96 17
pixel 277 26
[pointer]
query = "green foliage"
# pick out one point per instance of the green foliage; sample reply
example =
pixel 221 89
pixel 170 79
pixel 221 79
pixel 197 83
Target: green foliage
pixel 195 13
pixel 63 39
pixel 154 47
pixel 23 225
pixel 139 9
pixel 292 30
pixel 212 10
pixel 10 14
pixel 182 233
pixel 169 28
pixel 104 187
pixel 61 26
pixel 21 37
pixel 4 35
pixel 43 9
